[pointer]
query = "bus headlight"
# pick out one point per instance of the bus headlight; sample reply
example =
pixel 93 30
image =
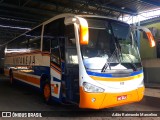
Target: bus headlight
pixel 92 88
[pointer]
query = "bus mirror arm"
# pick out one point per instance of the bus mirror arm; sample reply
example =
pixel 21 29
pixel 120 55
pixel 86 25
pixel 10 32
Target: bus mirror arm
pixel 148 33
pixel 69 20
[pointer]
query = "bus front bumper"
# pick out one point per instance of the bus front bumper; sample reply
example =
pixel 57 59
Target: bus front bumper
pixel 106 100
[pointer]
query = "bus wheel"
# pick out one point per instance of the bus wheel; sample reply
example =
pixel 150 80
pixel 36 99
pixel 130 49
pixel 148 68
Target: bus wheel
pixel 47 92
pixel 11 78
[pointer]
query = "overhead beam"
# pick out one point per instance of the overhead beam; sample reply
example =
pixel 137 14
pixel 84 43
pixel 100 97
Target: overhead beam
pixel 21 15
pixel 6 34
pixel 156 3
pixel 33 10
pixel 11 31
pixel 15 27
pixel 150 21
pixel 110 7
pixel 106 3
pixel 16 20
pixel 6 22
pixel 71 7
pixel 26 2
pixel 29 19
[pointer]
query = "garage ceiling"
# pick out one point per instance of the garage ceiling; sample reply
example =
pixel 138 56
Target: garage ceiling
pixel 18 16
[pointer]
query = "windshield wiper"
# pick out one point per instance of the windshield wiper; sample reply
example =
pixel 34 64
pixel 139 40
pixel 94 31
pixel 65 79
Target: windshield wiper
pixel 132 63
pixel 116 51
pixel 107 64
pixel 119 52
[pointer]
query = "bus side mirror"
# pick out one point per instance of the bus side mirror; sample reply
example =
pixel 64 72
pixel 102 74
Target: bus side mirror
pixel 148 33
pixel 84 32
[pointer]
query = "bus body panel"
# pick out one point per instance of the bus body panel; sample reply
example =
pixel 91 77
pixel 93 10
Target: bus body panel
pixel 27 67
pixel 30 67
pixel 106 100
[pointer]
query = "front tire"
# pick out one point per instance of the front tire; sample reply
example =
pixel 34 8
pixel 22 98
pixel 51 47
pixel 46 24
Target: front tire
pixel 47 92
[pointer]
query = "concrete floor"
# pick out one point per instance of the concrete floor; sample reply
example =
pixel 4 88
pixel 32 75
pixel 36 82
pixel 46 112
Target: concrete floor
pixel 18 98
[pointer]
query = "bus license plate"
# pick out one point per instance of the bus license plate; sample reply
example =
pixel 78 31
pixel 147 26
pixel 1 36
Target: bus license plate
pixel 122 97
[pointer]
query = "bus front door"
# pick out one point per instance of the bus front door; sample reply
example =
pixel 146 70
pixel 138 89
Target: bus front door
pixel 55 69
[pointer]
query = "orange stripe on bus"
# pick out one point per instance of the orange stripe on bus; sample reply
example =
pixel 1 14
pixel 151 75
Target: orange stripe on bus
pixel 27 78
pixel 56 70
pixel 46 55
pixel 116 79
pixel 56 66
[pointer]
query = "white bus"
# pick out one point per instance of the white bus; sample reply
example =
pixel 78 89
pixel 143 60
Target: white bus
pixel 89 60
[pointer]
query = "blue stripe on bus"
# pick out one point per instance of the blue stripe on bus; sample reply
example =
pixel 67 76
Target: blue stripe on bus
pixel 55 79
pixel 110 75
pixel 39 70
pixel 99 74
pixel 136 73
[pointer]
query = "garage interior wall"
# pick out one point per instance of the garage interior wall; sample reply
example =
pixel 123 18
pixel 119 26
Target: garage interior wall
pixel 150 61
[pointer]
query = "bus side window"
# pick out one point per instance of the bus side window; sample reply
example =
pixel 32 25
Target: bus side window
pixel 34 38
pixel 52 30
pixel 69 32
pixel 71 54
pixel 62 48
pixel 30 40
pixel 55 53
pixel 18 43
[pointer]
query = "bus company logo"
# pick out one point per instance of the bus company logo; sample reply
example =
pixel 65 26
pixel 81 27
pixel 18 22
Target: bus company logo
pixel 6 114
pixel 24 60
pixel 123 97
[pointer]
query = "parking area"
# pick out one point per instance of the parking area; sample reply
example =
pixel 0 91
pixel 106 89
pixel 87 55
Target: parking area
pixel 23 98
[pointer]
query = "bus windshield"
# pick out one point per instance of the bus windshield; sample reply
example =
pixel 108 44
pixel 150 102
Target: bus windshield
pixel 112 46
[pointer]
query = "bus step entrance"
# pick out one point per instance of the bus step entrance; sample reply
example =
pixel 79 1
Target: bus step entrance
pixel 72 87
